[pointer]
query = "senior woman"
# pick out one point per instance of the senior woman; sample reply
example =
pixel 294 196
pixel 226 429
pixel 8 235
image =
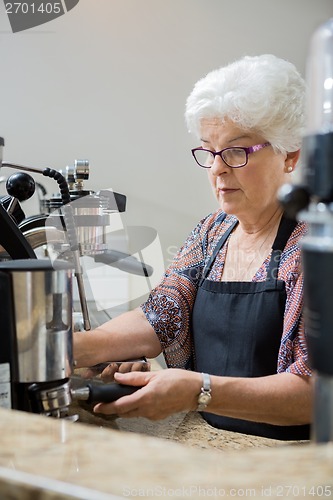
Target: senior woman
pixel 227 314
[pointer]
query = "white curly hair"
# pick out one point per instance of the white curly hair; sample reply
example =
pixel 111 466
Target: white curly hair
pixel 264 94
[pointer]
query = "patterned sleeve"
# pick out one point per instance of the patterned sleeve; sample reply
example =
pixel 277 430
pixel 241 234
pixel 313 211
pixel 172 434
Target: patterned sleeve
pixel 169 305
pixel 293 356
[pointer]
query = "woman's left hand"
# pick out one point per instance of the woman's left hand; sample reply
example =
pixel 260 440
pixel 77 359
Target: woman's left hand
pixel 162 394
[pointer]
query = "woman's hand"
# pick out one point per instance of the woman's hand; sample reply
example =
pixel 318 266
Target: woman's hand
pixel 105 371
pixel 162 394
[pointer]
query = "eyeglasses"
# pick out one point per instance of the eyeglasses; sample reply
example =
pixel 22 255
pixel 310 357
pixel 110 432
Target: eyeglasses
pixel 235 157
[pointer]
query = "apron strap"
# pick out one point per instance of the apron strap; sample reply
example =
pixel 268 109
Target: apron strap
pixel 218 247
pixel 286 227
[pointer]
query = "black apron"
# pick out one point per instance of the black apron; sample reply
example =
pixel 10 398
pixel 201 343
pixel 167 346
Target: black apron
pixel 237 329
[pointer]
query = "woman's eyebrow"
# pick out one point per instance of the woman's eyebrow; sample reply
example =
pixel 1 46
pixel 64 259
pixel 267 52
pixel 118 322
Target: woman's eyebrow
pixel 243 136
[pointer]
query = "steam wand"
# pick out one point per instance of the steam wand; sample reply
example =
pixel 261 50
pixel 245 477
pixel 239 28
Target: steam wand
pixel 70 226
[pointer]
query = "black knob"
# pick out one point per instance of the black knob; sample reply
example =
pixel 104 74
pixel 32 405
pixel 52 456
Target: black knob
pixel 293 198
pixel 21 186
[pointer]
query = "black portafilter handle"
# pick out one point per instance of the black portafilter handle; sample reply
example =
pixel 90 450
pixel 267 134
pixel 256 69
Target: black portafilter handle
pixel 103 393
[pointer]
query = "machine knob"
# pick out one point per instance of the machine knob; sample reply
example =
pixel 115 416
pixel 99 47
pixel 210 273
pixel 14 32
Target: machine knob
pixel 21 186
pixel 293 198
pixel 81 168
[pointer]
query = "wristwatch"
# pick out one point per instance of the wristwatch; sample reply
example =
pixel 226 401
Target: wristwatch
pixel 205 396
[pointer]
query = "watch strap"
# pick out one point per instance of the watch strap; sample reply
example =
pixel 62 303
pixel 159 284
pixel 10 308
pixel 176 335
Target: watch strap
pixel 205 382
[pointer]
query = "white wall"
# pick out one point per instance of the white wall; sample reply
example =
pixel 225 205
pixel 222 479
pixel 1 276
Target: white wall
pixel 108 82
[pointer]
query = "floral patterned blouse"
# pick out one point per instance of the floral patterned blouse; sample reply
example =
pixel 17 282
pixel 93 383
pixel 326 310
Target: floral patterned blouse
pixel 169 305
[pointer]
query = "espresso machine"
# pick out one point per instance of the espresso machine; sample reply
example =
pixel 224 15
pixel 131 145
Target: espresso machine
pixel 312 202
pixel 36 306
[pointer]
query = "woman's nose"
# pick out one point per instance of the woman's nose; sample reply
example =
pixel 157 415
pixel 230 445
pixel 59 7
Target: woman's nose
pixel 219 167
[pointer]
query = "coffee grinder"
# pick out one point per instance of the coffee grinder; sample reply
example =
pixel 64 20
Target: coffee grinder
pixel 36 335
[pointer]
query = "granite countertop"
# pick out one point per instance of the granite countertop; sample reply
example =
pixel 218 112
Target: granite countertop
pixel 189 429
pixel 45 458
pixel 101 457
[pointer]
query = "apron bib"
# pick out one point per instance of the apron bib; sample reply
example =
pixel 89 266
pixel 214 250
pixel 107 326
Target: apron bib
pixel 237 329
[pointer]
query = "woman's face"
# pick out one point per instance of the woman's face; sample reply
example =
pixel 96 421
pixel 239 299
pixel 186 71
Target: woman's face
pixel 247 191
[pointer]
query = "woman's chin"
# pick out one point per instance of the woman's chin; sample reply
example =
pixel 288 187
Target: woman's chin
pixel 228 208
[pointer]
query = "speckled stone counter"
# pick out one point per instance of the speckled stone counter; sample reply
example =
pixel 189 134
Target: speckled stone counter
pixel 104 457
pixel 45 458
pixel 189 429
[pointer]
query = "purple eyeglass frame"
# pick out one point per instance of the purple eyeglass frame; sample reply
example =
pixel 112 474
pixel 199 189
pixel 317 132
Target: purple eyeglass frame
pixel 249 150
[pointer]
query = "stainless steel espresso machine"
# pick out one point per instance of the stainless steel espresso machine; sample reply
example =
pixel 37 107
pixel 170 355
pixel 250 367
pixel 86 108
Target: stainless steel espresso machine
pixel 35 318
pixel 36 310
pixel 313 203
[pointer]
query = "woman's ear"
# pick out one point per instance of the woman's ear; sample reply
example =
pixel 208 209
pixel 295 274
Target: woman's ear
pixel 291 160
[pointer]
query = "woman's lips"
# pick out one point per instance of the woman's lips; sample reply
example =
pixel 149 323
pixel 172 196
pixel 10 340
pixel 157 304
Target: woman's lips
pixel 227 190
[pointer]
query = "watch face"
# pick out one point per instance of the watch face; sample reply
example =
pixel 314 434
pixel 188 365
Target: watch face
pixel 204 398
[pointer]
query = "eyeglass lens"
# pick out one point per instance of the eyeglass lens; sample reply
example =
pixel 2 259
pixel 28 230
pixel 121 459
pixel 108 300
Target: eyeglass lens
pixel 234 157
